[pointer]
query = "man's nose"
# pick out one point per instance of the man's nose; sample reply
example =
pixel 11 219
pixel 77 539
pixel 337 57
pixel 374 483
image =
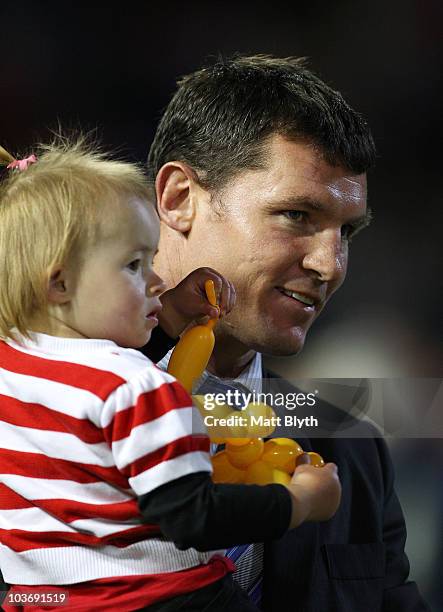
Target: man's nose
pixel 326 255
pixel 155 285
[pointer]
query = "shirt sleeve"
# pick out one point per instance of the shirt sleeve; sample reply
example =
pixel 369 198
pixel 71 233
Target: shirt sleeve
pixel 194 512
pixel 155 433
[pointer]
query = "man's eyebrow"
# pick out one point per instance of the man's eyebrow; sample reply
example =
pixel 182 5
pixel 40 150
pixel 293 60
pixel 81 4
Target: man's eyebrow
pixel 305 201
pixel 312 204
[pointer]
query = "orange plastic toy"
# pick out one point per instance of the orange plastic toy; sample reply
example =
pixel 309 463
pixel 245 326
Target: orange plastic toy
pixel 253 461
pixel 246 459
pixel 191 354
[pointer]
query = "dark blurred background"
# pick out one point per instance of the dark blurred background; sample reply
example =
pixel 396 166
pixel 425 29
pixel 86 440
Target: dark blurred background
pixel 114 69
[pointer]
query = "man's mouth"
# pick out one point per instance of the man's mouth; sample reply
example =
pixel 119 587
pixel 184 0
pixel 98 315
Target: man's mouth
pixel 301 297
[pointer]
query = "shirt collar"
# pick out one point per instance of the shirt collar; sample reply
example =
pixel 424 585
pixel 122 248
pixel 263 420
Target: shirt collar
pixel 250 377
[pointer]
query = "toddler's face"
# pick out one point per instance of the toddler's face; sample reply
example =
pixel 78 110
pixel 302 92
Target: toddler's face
pixel 117 293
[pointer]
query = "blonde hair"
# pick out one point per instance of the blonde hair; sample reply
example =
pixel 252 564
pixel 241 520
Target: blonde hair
pixel 48 213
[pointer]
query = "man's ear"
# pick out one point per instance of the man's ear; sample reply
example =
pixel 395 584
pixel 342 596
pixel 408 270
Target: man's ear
pixel 176 188
pixel 59 286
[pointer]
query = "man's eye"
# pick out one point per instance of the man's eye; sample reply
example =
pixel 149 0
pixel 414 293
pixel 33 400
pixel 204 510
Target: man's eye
pixel 134 265
pixel 294 215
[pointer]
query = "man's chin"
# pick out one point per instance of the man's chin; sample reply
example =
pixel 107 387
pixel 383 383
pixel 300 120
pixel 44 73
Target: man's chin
pixel 278 346
pixel 270 341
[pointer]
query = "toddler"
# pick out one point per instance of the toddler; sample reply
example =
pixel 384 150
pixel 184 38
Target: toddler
pixel 106 497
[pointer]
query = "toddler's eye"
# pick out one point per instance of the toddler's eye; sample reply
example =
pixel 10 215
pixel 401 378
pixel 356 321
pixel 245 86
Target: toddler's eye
pixel 134 265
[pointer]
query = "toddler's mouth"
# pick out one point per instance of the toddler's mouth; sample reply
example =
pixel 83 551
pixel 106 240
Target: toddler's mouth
pixel 153 314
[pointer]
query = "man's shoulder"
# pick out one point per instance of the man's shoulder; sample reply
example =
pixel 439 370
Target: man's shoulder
pixel 347 420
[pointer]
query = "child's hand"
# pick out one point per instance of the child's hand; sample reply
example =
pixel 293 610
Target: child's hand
pixel 315 493
pixel 188 301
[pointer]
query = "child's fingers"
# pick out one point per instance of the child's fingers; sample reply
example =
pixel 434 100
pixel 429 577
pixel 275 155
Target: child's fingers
pixel 210 274
pixel 221 288
pixel 303 459
pixel 232 297
pixel 221 296
pixel 207 311
pixel 224 298
pixel 228 297
pixel 224 291
pixel 214 312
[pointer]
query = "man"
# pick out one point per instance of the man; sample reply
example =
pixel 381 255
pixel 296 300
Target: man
pixel 260 173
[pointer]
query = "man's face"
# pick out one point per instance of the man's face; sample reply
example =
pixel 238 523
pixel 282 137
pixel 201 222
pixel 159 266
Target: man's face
pixel 282 239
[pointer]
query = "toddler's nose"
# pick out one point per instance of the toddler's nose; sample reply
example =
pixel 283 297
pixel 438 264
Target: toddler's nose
pixel 155 286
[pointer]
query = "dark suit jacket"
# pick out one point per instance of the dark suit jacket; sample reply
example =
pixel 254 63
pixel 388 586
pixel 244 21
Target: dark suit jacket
pixel 354 562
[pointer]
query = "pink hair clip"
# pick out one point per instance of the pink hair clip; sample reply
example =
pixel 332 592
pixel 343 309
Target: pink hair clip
pixel 22 164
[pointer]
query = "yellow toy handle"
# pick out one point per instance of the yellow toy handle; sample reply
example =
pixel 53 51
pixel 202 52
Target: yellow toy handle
pixel 210 292
pixel 193 351
pixel 212 299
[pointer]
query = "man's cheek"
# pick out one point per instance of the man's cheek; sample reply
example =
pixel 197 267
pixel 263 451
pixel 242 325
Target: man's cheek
pixel 341 263
pixel 338 282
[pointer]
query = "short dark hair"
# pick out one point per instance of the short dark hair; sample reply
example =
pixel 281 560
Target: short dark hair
pixel 221 115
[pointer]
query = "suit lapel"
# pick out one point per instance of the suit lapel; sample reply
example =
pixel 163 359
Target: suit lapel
pixel 289 561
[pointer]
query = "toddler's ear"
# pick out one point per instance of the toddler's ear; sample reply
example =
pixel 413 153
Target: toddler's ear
pixel 58 286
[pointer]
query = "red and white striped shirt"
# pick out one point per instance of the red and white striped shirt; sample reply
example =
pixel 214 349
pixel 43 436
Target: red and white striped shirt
pixel 85 428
